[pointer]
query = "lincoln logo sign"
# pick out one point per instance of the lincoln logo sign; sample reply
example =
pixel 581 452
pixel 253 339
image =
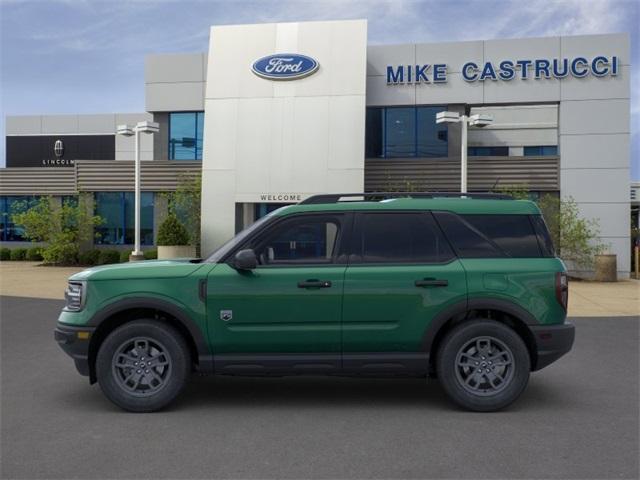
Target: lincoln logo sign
pixel 58 148
pixel 284 66
pixel 506 70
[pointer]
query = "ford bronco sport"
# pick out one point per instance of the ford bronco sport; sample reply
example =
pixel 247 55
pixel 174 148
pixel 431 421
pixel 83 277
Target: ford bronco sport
pixel 464 288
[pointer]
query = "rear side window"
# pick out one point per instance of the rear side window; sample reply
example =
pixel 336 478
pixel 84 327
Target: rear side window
pixel 544 239
pixel 467 241
pixel 514 234
pixel 400 238
pixel 482 236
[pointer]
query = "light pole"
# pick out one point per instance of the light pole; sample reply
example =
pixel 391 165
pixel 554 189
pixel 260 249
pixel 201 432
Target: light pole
pixel 127 131
pixel 478 120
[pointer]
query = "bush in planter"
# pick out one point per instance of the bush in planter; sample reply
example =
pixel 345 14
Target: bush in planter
pixel 124 256
pixel 5 254
pixel 18 254
pixel 90 257
pixel 172 232
pixel 150 254
pixel 34 254
pixel 108 256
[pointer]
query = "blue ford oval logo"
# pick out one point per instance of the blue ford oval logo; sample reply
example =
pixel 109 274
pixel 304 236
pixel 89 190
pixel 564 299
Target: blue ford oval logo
pixel 284 66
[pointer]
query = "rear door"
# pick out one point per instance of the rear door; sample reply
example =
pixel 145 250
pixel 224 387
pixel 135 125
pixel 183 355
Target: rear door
pixel 402 273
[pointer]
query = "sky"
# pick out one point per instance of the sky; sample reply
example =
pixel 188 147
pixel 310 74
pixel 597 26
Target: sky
pixel 87 56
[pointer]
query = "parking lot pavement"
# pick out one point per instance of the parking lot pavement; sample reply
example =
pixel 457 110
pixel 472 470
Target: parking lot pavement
pixel 577 419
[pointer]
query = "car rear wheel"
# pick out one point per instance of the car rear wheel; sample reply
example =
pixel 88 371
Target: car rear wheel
pixel 143 365
pixel 483 365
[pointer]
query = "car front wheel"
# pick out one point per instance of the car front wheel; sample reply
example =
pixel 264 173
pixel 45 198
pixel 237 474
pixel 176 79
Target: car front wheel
pixel 483 365
pixel 143 365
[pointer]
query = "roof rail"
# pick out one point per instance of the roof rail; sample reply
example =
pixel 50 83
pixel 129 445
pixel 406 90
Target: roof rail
pixel 377 196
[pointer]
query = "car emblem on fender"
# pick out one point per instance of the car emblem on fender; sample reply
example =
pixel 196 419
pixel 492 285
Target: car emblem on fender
pixel 285 66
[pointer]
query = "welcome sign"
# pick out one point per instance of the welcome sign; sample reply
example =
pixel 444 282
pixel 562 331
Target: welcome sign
pixel 507 70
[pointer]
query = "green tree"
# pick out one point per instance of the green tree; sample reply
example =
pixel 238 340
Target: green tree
pixel 61 227
pixel 576 238
pixel 172 232
pixel 185 204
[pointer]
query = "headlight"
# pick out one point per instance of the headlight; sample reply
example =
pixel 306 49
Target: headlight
pixel 74 296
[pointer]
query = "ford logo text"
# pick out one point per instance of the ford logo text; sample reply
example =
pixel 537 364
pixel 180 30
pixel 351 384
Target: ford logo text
pixel 285 66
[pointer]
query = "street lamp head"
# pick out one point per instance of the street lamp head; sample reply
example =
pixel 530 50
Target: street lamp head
pixel 447 117
pixel 147 127
pixel 124 130
pixel 480 120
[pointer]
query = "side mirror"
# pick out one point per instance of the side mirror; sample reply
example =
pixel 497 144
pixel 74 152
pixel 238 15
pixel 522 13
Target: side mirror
pixel 245 260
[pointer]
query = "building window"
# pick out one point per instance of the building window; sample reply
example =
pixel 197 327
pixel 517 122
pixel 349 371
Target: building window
pixel 405 132
pixel 541 151
pixel 117 212
pixel 488 151
pixel 9 206
pixel 185 135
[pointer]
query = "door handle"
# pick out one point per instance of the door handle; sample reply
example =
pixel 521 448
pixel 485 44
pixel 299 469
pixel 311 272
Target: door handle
pixel 431 282
pixel 314 284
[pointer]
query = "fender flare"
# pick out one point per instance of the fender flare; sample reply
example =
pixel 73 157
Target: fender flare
pixel 465 306
pixel 205 358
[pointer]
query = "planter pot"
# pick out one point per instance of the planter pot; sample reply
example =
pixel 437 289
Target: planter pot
pixel 606 268
pixel 176 251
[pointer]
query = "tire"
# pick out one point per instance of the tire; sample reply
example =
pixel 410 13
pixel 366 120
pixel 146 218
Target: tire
pixel 143 365
pixel 483 365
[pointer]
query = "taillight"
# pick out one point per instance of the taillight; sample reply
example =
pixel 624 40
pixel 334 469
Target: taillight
pixel 562 289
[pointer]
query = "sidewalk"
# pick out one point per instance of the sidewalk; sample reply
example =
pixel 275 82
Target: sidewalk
pixel 586 299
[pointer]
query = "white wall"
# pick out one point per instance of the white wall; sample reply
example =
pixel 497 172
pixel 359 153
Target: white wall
pixel 263 136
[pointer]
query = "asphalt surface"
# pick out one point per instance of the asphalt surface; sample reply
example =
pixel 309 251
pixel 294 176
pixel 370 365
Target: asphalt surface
pixel 577 419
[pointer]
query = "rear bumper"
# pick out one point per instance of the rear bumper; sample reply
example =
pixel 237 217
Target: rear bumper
pixel 75 343
pixel 552 342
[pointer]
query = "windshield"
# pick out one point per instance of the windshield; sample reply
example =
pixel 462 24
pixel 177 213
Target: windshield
pixel 223 250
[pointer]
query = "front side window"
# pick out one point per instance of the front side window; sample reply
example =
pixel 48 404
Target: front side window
pixel 400 238
pixel 117 212
pixel 299 241
pixel 185 135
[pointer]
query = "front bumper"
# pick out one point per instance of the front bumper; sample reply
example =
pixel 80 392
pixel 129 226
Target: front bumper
pixel 552 342
pixel 75 343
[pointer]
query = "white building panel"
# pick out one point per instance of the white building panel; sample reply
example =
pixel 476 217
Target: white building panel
pixel 283 133
pixel 590 46
pixel 453 54
pixel 595 151
pixel 595 117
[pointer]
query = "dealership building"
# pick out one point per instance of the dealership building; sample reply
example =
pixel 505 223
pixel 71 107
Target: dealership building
pixel 273 113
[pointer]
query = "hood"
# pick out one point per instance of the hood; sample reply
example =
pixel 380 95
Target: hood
pixel 140 270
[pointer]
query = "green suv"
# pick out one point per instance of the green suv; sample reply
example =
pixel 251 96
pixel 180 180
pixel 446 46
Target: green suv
pixel 463 288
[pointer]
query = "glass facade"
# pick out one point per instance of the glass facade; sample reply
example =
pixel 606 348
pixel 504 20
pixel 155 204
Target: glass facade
pixel 541 151
pixel 405 132
pixel 488 151
pixel 117 212
pixel 10 205
pixel 185 135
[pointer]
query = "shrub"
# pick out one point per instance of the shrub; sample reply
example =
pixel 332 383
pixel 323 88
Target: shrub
pixel 150 254
pixel 5 254
pixel 18 254
pixel 62 228
pixel 90 257
pixel 124 256
pixel 172 232
pixel 108 256
pixel 34 254
pixel 61 254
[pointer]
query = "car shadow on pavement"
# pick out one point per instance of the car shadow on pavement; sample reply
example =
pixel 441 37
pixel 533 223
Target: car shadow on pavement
pixel 207 392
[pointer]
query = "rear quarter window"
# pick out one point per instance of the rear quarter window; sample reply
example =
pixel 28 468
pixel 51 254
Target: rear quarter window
pixel 491 236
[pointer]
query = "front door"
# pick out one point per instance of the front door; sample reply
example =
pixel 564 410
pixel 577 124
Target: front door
pixel 287 312
pixel 401 274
